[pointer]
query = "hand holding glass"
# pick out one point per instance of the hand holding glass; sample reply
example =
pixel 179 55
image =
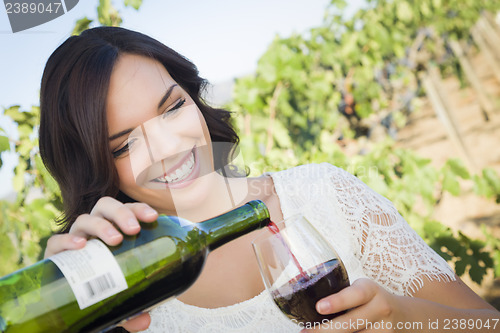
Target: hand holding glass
pixel 299 268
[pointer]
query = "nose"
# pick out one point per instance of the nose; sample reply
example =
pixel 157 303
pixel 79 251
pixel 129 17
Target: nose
pixel 162 139
pixel 151 142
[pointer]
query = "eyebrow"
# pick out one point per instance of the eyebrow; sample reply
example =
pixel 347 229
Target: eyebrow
pixel 119 134
pixel 167 95
pixel 162 101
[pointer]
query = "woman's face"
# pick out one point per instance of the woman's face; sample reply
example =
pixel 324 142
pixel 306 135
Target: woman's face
pixel 158 137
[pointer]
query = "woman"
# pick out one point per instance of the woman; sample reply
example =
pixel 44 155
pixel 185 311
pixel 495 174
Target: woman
pixel 126 135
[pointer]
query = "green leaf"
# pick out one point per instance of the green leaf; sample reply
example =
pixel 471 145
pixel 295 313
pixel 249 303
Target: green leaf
pixel 24 130
pixel 24 148
pixel 108 14
pixel 492 179
pixel 481 187
pixel 340 4
pixel 435 229
pixel 280 134
pixel 458 168
pixel 4 143
pixel 31 249
pixel 486 258
pixel 404 11
pixel 451 243
pixel 134 3
pixel 81 25
pixel 18 181
pixel 460 266
pixel 424 8
pixel 437 3
pixel 15 114
pixel 450 183
pixel 496 257
pixel 477 273
pixel 10 254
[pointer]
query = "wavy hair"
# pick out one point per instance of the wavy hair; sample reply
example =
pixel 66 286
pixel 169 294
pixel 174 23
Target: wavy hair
pixel 73 127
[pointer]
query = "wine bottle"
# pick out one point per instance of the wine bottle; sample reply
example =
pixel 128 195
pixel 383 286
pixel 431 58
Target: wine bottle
pixel 160 262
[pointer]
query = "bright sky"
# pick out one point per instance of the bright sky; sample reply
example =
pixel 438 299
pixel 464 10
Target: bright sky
pixel 224 38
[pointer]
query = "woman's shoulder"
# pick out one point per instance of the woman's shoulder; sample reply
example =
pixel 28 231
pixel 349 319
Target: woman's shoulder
pixel 313 171
pixel 312 180
pixel 327 179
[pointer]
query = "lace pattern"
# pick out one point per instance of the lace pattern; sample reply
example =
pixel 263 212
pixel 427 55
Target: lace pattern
pixel 258 314
pixel 389 250
pixel 365 229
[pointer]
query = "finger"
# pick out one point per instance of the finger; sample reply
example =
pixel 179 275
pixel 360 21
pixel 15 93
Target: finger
pixel 360 292
pixel 138 323
pixel 124 216
pixel 143 211
pixel 365 318
pixel 63 242
pixel 94 226
pixel 372 312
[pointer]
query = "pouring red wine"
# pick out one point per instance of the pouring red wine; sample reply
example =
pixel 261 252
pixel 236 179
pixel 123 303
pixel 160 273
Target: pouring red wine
pixel 299 268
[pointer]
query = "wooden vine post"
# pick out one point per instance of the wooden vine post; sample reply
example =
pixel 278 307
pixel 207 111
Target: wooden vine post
pixel 485 49
pixel 491 20
pixel 431 80
pixel 490 34
pixel 485 102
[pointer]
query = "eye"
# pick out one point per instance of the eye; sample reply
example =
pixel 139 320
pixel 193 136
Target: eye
pixel 119 152
pixel 175 108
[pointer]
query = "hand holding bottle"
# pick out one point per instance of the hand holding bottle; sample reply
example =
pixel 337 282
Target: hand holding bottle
pixel 99 286
pixel 108 215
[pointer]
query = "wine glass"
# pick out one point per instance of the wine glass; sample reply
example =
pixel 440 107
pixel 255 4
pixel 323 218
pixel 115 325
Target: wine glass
pixel 299 268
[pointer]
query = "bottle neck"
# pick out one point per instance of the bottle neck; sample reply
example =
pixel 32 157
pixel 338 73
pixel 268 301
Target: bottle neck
pixel 235 223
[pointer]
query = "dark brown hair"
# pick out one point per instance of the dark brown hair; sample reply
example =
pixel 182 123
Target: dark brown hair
pixel 73 128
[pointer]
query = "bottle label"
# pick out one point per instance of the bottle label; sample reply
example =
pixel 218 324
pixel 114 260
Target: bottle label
pixel 92 272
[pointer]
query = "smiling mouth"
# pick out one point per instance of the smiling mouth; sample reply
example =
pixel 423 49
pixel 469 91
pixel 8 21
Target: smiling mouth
pixel 179 173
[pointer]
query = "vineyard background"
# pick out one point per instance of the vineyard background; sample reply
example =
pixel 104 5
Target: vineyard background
pixel 426 135
pixel 359 92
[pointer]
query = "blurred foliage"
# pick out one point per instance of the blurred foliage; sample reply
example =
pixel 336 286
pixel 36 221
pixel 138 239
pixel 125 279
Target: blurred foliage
pixel 27 223
pixel 354 81
pixel 294 110
pixel 107 14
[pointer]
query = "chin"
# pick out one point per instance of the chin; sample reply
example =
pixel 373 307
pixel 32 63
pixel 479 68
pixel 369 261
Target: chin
pixel 187 200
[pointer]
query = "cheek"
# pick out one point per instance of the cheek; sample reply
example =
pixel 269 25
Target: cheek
pixel 125 173
pixel 201 129
pixel 192 121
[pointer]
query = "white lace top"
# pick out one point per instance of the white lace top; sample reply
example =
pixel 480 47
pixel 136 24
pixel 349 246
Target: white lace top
pixel 368 233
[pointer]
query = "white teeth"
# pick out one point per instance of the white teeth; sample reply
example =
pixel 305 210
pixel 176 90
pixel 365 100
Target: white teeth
pixel 182 172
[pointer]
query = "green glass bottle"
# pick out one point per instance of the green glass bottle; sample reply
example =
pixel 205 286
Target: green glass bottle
pixel 160 262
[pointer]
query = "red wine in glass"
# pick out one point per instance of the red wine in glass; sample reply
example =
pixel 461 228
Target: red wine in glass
pixel 296 241
pixel 297 299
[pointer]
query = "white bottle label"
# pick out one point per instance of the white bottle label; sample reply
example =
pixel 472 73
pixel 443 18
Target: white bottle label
pixel 92 272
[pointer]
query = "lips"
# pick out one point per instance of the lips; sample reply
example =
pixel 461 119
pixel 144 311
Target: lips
pixel 181 173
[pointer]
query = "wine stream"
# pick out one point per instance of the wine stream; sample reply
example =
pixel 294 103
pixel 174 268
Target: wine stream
pixel 275 230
